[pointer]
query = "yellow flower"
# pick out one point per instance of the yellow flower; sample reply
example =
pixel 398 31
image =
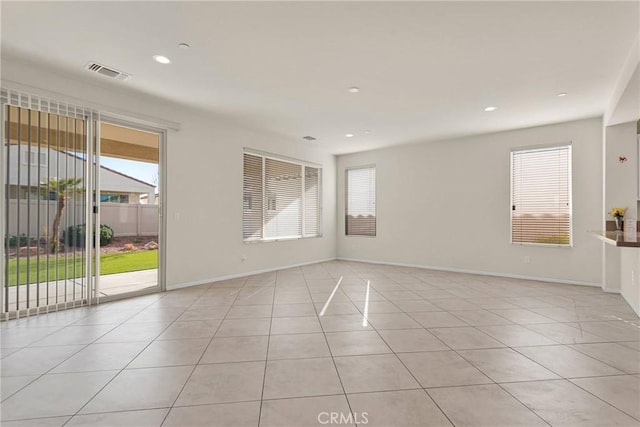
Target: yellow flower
pixel 618 212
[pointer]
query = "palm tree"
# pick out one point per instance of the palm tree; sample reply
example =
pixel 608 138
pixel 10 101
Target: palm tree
pixel 63 188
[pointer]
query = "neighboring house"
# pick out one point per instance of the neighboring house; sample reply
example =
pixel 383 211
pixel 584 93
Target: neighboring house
pixel 30 167
pixel 144 199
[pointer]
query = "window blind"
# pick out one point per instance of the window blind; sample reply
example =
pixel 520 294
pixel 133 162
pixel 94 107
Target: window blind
pixel 252 200
pixel 541 196
pixel 312 201
pixel 281 199
pixel 360 218
pixel 283 190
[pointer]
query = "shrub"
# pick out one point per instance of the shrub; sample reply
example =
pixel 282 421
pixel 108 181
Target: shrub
pixel 106 234
pixel 15 241
pixel 75 235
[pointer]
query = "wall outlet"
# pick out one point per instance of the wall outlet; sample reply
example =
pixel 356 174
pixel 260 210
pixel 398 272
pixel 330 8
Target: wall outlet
pixel 243 258
pixel 527 259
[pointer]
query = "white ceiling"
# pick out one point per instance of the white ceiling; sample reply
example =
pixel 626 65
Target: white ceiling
pixel 426 69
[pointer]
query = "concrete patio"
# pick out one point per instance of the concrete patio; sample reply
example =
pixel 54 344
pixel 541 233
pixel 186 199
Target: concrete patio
pixel 61 291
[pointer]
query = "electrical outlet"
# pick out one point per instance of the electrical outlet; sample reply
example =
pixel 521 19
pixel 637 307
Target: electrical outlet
pixel 527 259
pixel 243 258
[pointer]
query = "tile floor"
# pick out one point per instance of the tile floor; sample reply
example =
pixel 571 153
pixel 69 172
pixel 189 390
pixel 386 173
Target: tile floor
pixel 415 347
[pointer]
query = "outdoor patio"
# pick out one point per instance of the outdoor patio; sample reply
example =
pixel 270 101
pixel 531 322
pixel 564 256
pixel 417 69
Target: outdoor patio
pixel 71 289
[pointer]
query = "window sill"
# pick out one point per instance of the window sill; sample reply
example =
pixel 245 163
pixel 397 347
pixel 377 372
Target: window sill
pixel 279 239
pixel 543 245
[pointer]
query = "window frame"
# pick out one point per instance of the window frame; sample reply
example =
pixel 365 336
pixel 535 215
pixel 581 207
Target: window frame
pixel 28 157
pixel 346 200
pixel 303 164
pixel 568 145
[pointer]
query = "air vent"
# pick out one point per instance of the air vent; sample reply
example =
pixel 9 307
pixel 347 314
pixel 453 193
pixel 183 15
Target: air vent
pixel 107 71
pixel 309 138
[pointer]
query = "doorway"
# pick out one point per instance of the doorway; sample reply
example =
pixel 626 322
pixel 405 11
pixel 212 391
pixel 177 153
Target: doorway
pixel 128 199
pixel 81 217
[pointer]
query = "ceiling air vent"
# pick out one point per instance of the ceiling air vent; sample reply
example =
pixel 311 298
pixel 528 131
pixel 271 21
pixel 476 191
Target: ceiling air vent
pixel 107 71
pixel 309 138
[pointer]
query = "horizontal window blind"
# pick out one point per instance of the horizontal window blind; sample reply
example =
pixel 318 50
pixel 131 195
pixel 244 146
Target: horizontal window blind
pixel 281 199
pixel 360 217
pixel 252 200
pixel 541 196
pixel 312 202
pixel 283 190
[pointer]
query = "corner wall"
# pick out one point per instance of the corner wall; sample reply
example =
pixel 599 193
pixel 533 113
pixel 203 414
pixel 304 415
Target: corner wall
pixel 621 190
pixel 446 205
pixel 204 180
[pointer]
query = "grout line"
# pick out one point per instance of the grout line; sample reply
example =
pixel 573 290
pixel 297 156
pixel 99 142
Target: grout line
pixel 415 379
pixel 379 274
pixel 525 405
pixel 237 294
pixel 165 295
pixel 266 355
pixel 324 334
pixel 84 346
pixel 600 398
pixel 48 372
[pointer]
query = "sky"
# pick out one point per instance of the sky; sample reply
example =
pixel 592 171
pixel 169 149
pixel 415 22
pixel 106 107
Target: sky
pixel 147 172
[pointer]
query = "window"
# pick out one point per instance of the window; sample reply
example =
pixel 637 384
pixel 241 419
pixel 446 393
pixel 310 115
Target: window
pixel 361 202
pixel 281 199
pixel 541 196
pixel 272 201
pixel 34 158
pixel 114 198
pixel 247 202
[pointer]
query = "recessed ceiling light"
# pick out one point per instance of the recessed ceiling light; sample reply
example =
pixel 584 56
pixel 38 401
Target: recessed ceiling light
pixel 367 132
pixel 348 135
pixel 490 109
pixel 561 94
pixel 162 59
pixel 184 46
pixel 354 89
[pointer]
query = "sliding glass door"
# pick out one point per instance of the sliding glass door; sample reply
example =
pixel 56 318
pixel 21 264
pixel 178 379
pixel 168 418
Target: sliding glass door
pixel 129 210
pixel 80 207
pixel 47 206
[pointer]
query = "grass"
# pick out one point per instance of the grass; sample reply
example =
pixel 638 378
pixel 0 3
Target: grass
pixel 61 268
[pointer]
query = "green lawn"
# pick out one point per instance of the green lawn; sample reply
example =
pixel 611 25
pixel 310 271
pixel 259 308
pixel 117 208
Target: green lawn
pixel 109 264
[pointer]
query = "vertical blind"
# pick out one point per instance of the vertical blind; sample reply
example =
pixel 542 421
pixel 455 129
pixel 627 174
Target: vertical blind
pixel 541 196
pixel 360 215
pixel 281 199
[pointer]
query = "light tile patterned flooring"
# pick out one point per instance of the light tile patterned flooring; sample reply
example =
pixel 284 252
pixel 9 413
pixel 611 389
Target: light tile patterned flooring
pixel 434 348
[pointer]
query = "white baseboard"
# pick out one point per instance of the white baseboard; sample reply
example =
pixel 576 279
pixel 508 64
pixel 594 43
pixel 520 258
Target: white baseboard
pixel 425 267
pixel 480 272
pixel 244 274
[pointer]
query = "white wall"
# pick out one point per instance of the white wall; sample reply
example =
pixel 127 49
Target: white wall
pixel 447 205
pixel 621 190
pixel 204 185
pixel 621 178
pixel 630 282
